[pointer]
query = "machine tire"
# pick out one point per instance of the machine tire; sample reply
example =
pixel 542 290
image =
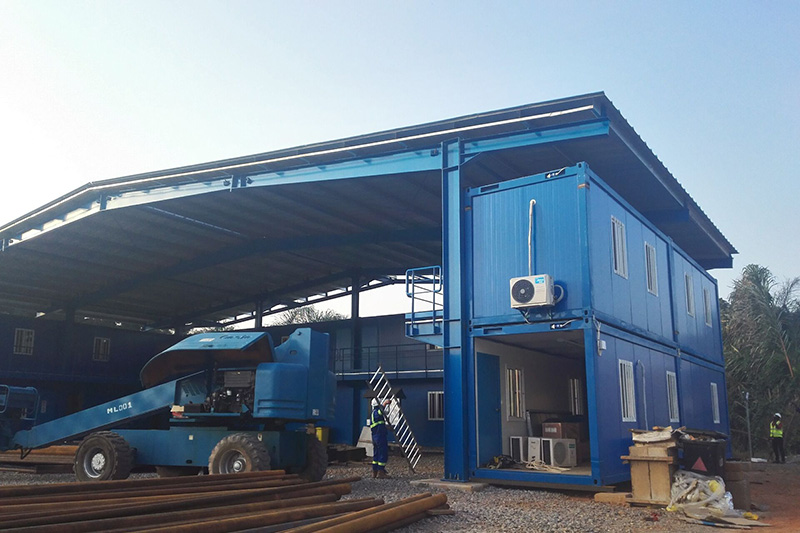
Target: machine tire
pixel 240 452
pixel 177 471
pixel 316 460
pixel 103 455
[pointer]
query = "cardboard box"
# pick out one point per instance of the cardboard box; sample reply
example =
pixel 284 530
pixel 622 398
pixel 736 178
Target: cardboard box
pixel 561 430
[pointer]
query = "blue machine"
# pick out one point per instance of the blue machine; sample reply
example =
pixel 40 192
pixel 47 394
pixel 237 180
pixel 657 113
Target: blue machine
pixel 229 402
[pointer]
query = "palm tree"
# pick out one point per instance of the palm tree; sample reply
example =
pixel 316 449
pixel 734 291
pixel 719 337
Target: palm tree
pixel 761 335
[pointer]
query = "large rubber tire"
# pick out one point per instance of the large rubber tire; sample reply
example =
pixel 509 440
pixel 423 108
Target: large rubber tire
pixel 316 460
pixel 177 471
pixel 103 455
pixel 240 452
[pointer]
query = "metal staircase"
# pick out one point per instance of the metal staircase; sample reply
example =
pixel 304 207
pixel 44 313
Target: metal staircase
pixel 396 419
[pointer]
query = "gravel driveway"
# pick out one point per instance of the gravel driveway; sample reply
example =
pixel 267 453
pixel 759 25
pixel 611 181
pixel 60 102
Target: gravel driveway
pixel 501 509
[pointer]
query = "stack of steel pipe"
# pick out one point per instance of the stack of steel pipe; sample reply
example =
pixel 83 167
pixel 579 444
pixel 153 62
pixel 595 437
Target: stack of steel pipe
pixel 268 501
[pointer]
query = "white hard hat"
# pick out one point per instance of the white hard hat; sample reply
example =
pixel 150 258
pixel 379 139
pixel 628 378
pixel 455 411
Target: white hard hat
pixel 778 415
pixel 374 402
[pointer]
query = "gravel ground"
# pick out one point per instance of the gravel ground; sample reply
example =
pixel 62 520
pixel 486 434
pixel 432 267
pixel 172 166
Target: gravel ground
pixel 502 509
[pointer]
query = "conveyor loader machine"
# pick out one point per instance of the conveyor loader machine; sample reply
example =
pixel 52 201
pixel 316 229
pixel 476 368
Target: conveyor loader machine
pixel 229 402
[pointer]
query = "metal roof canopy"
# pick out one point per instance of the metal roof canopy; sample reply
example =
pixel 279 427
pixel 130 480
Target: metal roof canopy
pixel 202 244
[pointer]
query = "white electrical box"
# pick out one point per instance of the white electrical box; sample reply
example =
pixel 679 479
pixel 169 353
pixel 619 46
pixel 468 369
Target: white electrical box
pixel 559 452
pixel 531 291
pixel 534 449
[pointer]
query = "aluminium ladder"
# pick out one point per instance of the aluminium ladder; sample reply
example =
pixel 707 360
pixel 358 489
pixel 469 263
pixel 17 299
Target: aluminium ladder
pixel 395 418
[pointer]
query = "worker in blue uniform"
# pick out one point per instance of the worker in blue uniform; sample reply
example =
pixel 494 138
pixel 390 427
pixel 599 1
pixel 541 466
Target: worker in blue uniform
pixel 380 439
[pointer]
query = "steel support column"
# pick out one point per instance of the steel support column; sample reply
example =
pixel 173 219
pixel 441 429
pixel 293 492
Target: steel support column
pixel 456 345
pixel 259 323
pixel 68 342
pixel 355 320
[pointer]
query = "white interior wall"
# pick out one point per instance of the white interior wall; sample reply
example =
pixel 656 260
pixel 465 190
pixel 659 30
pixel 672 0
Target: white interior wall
pixel 546 379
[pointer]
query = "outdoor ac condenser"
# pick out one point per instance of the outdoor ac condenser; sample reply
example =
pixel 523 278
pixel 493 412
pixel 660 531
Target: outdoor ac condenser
pixel 531 291
pixel 518 449
pixel 534 449
pixel 559 452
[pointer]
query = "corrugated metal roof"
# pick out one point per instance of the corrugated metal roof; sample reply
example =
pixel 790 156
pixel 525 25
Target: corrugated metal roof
pixel 204 242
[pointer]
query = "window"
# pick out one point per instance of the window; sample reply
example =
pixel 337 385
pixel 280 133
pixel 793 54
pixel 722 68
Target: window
pixel 619 248
pixel 626 391
pixel 687 281
pixel 575 396
pixel 436 405
pixel 515 393
pixel 652 270
pixel 715 403
pixel 102 349
pixel 672 397
pixel 23 341
pixel 707 306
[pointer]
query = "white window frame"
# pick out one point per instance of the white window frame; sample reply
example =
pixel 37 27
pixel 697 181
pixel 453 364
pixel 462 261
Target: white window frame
pixel 689 290
pixel 24 341
pixel 672 397
pixel 619 248
pixel 576 396
pixel 436 405
pixel 715 402
pixel 627 391
pixel 101 349
pixel 707 305
pixel 651 268
pixel 515 393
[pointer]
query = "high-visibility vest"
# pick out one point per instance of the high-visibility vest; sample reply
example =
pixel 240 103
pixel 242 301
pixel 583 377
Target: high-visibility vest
pixel 775 430
pixel 376 420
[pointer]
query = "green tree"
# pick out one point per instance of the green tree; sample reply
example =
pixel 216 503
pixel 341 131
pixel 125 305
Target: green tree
pixel 307 315
pixel 761 336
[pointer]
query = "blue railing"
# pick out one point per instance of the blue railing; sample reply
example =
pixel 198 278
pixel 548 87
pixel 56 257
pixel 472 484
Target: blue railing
pixel 417 359
pixel 424 287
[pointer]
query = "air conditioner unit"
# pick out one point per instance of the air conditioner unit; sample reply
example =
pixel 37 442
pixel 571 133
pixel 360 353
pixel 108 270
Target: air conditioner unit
pixel 559 452
pixel 518 449
pixel 534 449
pixel 531 291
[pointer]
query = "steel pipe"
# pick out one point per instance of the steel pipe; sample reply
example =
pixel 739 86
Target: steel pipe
pixel 384 517
pixel 57 513
pixel 104 486
pixel 165 491
pixel 342 519
pixel 162 518
pixel 266 519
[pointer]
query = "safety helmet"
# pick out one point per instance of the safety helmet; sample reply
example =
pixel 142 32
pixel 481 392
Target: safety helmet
pixel 374 402
pixel 778 415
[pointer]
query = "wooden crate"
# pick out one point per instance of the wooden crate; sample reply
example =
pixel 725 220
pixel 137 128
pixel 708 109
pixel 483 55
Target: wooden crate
pixel 651 478
pixel 653 451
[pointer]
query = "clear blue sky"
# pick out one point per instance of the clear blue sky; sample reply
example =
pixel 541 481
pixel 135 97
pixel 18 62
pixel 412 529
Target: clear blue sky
pixel 95 90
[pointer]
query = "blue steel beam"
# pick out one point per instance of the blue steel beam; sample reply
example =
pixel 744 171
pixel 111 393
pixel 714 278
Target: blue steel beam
pixel 251 248
pixel 456 351
pixel 402 163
